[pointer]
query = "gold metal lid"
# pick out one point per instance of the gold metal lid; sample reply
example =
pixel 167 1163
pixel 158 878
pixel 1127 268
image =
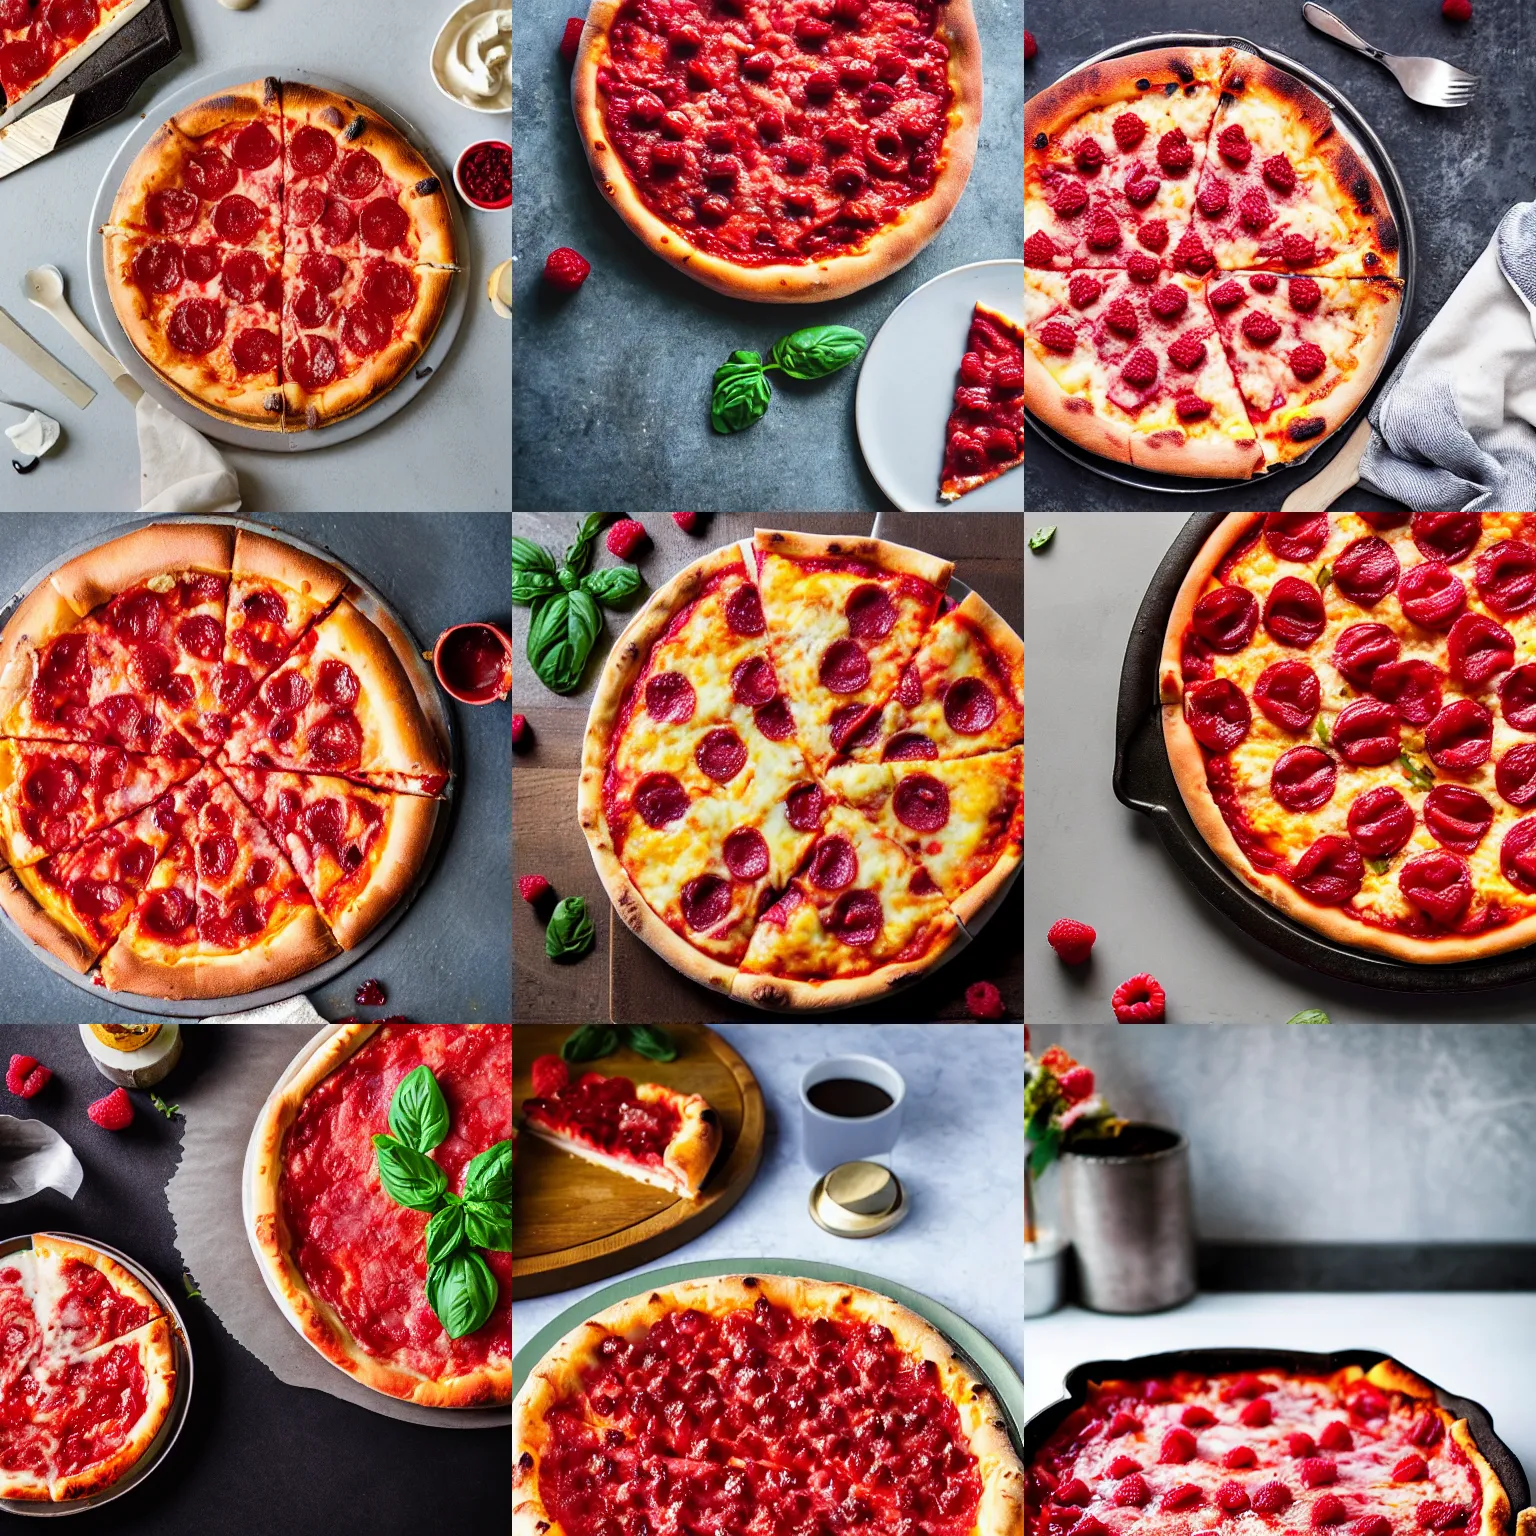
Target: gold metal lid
pixel 858 1200
pixel 125 1037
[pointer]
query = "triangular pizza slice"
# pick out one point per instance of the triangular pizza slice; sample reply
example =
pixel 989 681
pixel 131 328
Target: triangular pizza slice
pixel 86 1298
pixel 985 435
pixel 156 952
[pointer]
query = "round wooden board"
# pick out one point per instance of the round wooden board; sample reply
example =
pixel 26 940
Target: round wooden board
pixel 573 1222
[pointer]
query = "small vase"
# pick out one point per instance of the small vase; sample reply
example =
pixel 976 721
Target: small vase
pixel 1045 1263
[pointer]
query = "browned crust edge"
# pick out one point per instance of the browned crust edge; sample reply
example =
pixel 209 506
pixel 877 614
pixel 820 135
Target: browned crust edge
pixel 897 559
pixel 1059 106
pixel 98 575
pixel 260 558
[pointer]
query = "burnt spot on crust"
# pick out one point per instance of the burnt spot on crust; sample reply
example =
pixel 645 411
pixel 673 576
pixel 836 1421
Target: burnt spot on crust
pixel 1183 69
pixel 751 1282
pixel 427 186
pixel 1077 403
pixel 1305 428
pixel 269 91
pixel 356 128
pixel 1171 89
pixel 1143 84
pixel 525 1462
pixel 272 403
pixel 1041 140
pixel 1166 437
pixel 709 1117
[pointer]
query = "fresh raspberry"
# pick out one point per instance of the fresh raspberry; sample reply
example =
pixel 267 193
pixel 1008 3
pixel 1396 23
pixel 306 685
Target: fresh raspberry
pixel 1153 234
pixel 1280 173
pixel 1239 1459
pixel 1298 250
pixel 1457 10
pixel 1140 370
pixel 1260 327
pixel 1141 1000
pixel 1307 361
pixel 1071 198
pixel 1213 197
pixel 1039 249
pixel 532 887
pixel 1141 268
pixel 27 1077
pixel 1074 1494
pixel 1258 1414
pixel 1076 1084
pixel 1129 130
pixel 1328 1510
pixel 1133 1493
pixel 1264 282
pixel 566 270
pixel 1190 407
pixel 1072 940
pixel 984 1001
pixel 371 994
pixel 1371 1525
pixel 1088 156
pixel 1103 233
pixel 625 537
pixel 1271 1498
pixel 1254 210
pixel 1178 1448
pixel 1187 352
pixel 1191 254
pixel 1120 317
pixel 1336 1436
pixel 1300 1445
pixel 550 1075
pixel 1233 143
pixel 1318 1471
pixel 1084 289
pixel 1232 1497
pixel 1140 186
pixel 113 1113
pixel 1058 336
pixel 521 731
pixel 1169 302
pixel 1031 47
pixel 571 40
pixel 1411 1469
pixel 1123 1466
pixel 1305 294
pixel 1174 152
pixel 1181 1496
pixel 687 521
pixel 1230 293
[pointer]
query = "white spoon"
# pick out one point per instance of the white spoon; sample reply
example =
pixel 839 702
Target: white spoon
pixel 44 286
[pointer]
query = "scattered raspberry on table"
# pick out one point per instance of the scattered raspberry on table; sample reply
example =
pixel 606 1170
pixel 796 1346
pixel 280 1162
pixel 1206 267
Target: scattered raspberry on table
pixel 113 1113
pixel 687 521
pixel 1072 940
pixel 984 1001
pixel 566 270
pixel 370 995
pixel 571 40
pixel 27 1076
pixel 532 887
pixel 625 537
pixel 1457 10
pixel 1031 48
pixel 521 730
pixel 1141 1000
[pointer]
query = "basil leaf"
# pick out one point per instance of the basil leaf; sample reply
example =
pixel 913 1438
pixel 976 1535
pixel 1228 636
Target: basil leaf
pixel 528 556
pixel 418 1113
pixel 462 1292
pixel 1324 576
pixel 589 1043
pixel 651 1041
pixel 568 579
pixel 570 933
pixel 560 638
pixel 579 555
pixel 1041 537
pixel 445 1231
pixel 1310 1016
pixel 1418 775
pixel 489 1176
pixel 1378 866
pixel 410 1178
pixel 529 586
pixel 612 585
pixel 488 1225
pixel 1322 732
pixel 741 393
pixel 817 351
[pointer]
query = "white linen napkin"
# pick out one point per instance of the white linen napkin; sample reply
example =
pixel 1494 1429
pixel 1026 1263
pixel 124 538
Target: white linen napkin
pixel 180 470
pixel 296 1010
pixel 33 1156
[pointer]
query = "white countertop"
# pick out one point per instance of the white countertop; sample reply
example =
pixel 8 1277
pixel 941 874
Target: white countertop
pixel 1477 1344
pixel 961 1157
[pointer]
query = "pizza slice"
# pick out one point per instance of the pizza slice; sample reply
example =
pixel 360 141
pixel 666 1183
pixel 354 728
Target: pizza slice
pixel 844 616
pixel 341 704
pixel 985 435
pixel 1135 371
pixel 962 820
pixel 39 46
pixel 156 952
pixel 20 1326
pixel 642 1130
pixel 85 1298
pixel 961 694
pixel 1305 350
pixel 357 850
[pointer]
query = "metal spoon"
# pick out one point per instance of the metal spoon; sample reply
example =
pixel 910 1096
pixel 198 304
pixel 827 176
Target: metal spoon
pixel 1430 82
pixel 44 286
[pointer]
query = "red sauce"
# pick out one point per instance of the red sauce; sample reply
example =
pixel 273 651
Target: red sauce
pixel 485 174
pixel 475 663
pixel 604 1113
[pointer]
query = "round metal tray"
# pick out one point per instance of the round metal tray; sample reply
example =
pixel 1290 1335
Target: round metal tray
pixel 181 1399
pixel 1144 781
pixel 1363 139
pixel 369 602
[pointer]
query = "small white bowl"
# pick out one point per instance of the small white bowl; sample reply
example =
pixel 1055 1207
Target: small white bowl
pixel 440 49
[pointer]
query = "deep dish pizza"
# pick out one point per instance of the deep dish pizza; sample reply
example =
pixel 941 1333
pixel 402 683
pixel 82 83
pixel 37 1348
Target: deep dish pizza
pixel 788 152
pixel 1349 706
pixel 280 255
pixel 801 778
pixel 349 1263
pixel 41 41
pixel 1367 1453
pixel 748 1404
pixel 1211 270
pixel 214 770
pixel 87 1372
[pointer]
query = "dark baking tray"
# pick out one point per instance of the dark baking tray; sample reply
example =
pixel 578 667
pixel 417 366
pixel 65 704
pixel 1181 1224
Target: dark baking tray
pixel 1214 1361
pixel 1144 781
pixel 1282 479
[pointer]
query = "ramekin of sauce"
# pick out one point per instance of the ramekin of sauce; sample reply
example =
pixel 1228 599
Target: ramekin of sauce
pixel 483 175
pixel 474 663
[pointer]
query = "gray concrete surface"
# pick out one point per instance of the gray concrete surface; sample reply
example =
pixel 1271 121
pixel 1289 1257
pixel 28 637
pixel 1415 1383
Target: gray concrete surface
pixel 613 384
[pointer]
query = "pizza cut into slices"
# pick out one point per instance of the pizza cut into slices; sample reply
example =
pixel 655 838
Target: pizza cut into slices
pixel 20 1326
pixel 641 1130
pixel 86 1298
pixel 985 435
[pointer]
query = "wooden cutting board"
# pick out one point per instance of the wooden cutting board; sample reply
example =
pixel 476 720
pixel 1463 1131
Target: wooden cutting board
pixel 573 1222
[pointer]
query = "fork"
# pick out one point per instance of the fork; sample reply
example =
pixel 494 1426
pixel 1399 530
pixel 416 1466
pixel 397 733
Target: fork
pixel 1430 82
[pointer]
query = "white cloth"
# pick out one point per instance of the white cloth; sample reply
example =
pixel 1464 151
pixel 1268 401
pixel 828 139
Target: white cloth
pixel 296 1010
pixel 33 1156
pixel 180 470
pixel 1455 427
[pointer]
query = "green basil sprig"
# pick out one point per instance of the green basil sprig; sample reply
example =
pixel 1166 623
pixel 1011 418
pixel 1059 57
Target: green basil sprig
pixel 1041 537
pixel 1418 775
pixel 651 1041
pixel 741 393
pixel 590 1043
pixel 570 933
pixel 817 351
pixel 741 388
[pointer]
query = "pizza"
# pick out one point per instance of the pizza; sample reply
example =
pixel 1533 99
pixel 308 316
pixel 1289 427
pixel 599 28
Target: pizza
pixel 642 1130
pixel 281 255
pixel 754 1403
pixel 175 807
pixel 985 434
pixel 717 788
pixel 347 1262
pixel 1351 719
pixel 1370 1453
pixel 88 1374
pixel 41 41
pixel 786 153
pixel 1211 269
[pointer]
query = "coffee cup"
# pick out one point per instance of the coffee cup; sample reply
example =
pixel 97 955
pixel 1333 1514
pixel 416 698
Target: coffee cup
pixel 850 1109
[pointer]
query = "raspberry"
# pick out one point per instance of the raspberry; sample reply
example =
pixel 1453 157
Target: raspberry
pixel 984 1001
pixel 1298 250
pixel 625 537
pixel 571 40
pixel 1233 143
pixel 1039 249
pixel 1260 327
pixel 687 521
pixel 1192 255
pixel 1169 302
pixel 1076 1084
pixel 1280 173
pixel 1213 198
pixel 521 731
pixel 1457 10
pixel 1123 1466
pixel 1085 289
pixel 532 887
pixel 1371 1525
pixel 1088 156
pixel 1329 1510
pixel 1031 47
pixel 1178 1446
pixel 1129 130
pixel 1187 352
pixel 1263 282
pixel 1336 1437
pixel 1411 1469
pixel 371 994
pixel 1141 1000
pixel 27 1077
pixel 1305 294
pixel 1307 361
pixel 1120 317
pixel 1142 268
pixel 1271 1498
pixel 1300 1445
pixel 1239 1459
pixel 1174 152
pixel 1153 234
pixel 113 1113
pixel 1257 1414
pixel 1075 1493
pixel 1059 337
pixel 1103 233
pixel 1071 198
pixel 566 270
pixel 1133 1493
pixel 1190 407
pixel 1140 370
pixel 1123 1423
pixel 1318 1471
pixel 550 1075
pixel 1141 187
pixel 1072 940
pixel 1253 210
pixel 1181 1496
pixel 1227 295
pixel 1232 1497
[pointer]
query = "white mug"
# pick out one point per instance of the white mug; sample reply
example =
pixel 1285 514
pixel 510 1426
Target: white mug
pixel 827 1140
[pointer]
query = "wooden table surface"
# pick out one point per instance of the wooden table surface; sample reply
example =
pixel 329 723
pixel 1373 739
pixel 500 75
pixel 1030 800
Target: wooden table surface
pixel 988 555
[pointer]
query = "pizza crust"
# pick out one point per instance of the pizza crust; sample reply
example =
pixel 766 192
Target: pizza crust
pixel 897 559
pixel 163 550
pixel 258 558
pixel 60 1250
pixel 51 930
pixel 1055 109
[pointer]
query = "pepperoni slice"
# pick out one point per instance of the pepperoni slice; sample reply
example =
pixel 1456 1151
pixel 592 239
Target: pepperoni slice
pixel 255 147
pixel 844 667
pixel 1457 816
pixel 383 224
pixel 1383 519
pixel 1362 648
pixel 1289 694
pixel 1366 571
pixel 357 174
pixel 311 362
pixel 210 173
pixel 157 268
pixel 774 720
pixel 202 262
pixel 322 270
pixel 324 823
pixel 857 918
pixel 53 786
pixel 338 223
pixel 1515 775
pixel 870 612
pixel 909 746
pixel 311 151
pixel 1506 577
pixel 746 854
pixel 365 330
pixel 1380 821
pixel 388 288
pixel 1297 536
pixel 1294 612
pixel 216 856
pixel 97 898
pixel 1330 872
pixel 1411 687
pixel 970 706
pixel 172 210
pixel 338 684
pixel 865 733
pixel 244 276
pixel 669 696
pixel 1447 536
pixel 921 802
pixel 1460 736
pixel 304 208
pixel 804 806
pixel 137 616
pixel 256 351
pixel 909 688
pixel 744 611
pixel 1431 594
pixel 1439 886
pixel 337 742
pixel 1479 647
pixel 167 912
pixel 1226 619
pixel 201 636
pixel 236 219
pixel 834 864
pixel 1217 713
pixel 196 326
pixel 1517 855
pixel 1517 698
pixel 287 693
pixel 1303 778
pixel 72 21
pixel 705 900
pixel 753 682
pixel 721 755
pixel 1366 733
pixel 311 308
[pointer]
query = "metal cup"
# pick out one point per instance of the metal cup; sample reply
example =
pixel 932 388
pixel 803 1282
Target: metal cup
pixel 1128 1212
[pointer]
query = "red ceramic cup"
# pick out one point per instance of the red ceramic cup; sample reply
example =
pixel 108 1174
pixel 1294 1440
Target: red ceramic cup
pixel 474 662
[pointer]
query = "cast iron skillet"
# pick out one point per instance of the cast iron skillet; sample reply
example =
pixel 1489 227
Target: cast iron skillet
pixel 1144 781
pixel 1211 1362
